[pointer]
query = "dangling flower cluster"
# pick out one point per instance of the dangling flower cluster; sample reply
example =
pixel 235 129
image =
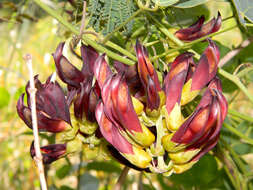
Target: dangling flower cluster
pixel 128 113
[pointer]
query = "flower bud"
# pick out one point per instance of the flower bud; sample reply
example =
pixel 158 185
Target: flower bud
pixel 199 29
pixel 148 77
pixel 50 153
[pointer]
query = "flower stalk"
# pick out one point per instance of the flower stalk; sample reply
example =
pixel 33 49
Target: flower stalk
pixel 38 158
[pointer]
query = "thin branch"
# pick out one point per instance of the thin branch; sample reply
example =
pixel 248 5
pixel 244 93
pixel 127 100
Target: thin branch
pixel 83 19
pixel 237 81
pixel 240 115
pixel 38 155
pixel 121 179
pixel 234 52
pixel 140 184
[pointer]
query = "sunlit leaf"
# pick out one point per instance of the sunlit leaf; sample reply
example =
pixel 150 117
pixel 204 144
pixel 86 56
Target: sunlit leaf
pixel 244 9
pixel 165 3
pixel 189 3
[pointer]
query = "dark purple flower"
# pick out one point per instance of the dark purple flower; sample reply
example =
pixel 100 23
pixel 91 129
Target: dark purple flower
pixel 51 107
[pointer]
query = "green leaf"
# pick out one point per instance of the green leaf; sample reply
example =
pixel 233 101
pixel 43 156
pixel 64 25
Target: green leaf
pixel 189 3
pixel 64 187
pixel 165 3
pixel 88 182
pixel 109 167
pixel 185 17
pixel 106 15
pixel 4 97
pixel 244 9
pixel 201 174
pixel 63 171
pixel 18 93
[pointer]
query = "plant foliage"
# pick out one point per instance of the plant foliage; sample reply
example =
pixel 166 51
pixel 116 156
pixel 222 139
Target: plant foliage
pixel 106 15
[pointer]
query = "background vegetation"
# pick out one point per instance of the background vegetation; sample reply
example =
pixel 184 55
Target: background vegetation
pixel 28 26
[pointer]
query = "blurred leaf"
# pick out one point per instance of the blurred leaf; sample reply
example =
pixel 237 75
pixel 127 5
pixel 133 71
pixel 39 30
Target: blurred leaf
pixel 246 55
pixel 88 182
pixel 4 97
pixel 147 187
pixel 63 171
pixel 186 17
pixel 165 3
pixel 189 3
pixel 201 174
pixel 109 167
pixel 237 145
pixel 18 93
pixel 244 9
pixel 64 187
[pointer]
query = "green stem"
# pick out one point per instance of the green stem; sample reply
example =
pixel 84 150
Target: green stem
pixel 244 71
pixel 240 115
pixel 107 37
pixel 237 81
pixel 239 134
pixel 236 157
pixel 86 39
pixel 229 166
pixel 188 45
pixel 123 51
pixel 167 32
pixel 249 24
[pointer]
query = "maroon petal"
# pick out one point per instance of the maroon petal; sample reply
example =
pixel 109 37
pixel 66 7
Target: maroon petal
pixel 153 99
pixel 89 56
pixel 131 74
pixel 24 112
pixel 175 80
pixel 81 102
pixel 212 125
pixel 145 68
pixel 123 105
pixel 111 133
pixel 67 72
pixel 93 100
pixel 190 32
pixel 45 123
pixel 206 68
pixel 215 85
pixel 50 153
pixel 193 128
pixel 102 70
pixel 210 145
pixel 50 99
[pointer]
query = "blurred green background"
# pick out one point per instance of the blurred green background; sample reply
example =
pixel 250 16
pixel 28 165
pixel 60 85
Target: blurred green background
pixel 25 28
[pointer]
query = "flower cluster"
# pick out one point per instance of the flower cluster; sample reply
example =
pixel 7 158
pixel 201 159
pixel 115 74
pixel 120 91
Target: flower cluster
pixel 129 112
